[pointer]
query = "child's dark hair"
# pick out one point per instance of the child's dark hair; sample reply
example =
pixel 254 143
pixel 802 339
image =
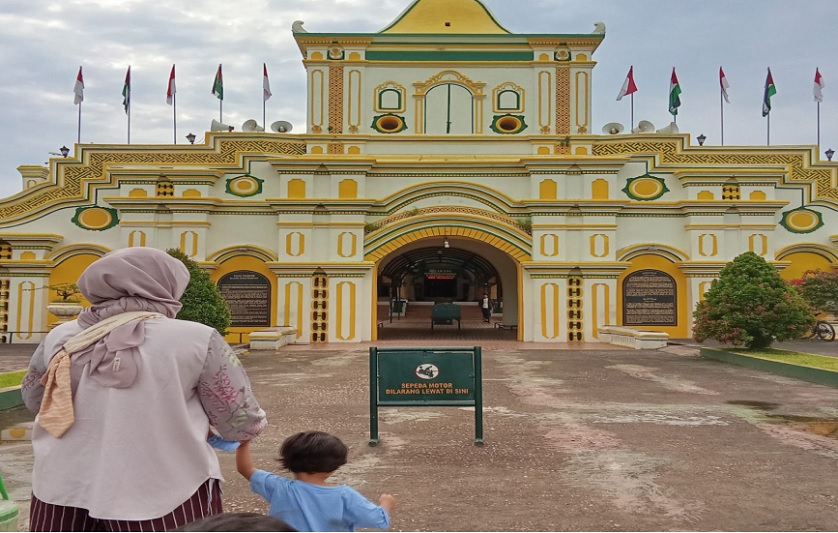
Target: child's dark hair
pixel 237 522
pixel 312 452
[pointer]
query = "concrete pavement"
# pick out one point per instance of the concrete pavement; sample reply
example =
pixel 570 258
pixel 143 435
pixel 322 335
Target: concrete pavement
pixel 576 439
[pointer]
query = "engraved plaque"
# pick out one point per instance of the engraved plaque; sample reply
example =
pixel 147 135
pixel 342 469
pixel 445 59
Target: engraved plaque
pixel 650 299
pixel 249 296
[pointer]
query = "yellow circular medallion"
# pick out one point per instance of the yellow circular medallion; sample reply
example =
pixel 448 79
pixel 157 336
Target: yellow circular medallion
pixel 95 218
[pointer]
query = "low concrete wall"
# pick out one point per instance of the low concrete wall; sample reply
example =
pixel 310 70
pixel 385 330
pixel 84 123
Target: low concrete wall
pixel 806 373
pixel 633 338
pixel 272 338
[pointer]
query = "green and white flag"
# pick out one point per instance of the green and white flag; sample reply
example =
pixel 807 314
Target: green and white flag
pixel 770 90
pixel 674 94
pixel 126 91
pixel 218 85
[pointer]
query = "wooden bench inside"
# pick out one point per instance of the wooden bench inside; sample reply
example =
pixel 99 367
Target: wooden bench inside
pixel 445 314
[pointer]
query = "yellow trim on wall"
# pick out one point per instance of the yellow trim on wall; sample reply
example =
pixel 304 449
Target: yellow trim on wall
pixel 708 245
pixel 654 262
pixel 341 308
pixel 758 243
pixel 296 189
pixel 582 101
pixel 348 189
pixel 353 100
pixel 600 294
pixel 803 261
pixel 189 243
pixel 545 101
pixel 292 288
pixel 295 244
pixel 252 264
pixel 350 249
pixel 25 326
pixel 548 190
pixel 600 189
pixel 550 245
pixel 549 290
pixel 136 238
pixel 317 97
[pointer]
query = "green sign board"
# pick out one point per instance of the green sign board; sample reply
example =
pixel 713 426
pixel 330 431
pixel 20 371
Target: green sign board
pixel 401 377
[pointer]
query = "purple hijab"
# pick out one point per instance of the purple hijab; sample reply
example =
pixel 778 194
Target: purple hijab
pixel 131 279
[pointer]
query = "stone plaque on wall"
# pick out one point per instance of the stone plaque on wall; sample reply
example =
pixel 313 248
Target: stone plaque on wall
pixel 249 296
pixel 650 299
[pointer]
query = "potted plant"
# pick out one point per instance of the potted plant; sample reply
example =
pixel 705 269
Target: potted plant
pixel 67 305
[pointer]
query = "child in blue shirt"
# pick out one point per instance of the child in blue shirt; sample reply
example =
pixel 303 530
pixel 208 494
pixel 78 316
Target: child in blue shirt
pixel 308 502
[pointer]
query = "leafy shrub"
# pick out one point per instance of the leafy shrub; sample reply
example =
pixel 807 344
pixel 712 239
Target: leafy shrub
pixel 751 304
pixel 202 301
pixel 819 288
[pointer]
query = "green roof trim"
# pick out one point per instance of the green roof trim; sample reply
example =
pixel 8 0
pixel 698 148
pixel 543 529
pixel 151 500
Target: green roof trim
pixel 393 36
pixel 373 55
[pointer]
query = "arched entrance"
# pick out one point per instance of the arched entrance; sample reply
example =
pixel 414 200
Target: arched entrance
pixel 414 264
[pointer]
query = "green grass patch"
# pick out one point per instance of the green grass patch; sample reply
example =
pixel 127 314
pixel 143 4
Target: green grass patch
pixel 823 362
pixel 11 379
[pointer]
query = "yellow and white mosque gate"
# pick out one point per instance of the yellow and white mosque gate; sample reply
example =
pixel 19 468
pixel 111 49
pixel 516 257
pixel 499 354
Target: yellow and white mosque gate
pixel 442 126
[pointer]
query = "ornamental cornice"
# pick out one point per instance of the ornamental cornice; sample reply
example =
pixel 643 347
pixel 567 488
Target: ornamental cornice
pixel 798 166
pixel 73 180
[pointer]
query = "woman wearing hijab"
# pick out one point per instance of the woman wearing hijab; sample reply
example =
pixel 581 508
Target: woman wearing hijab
pixel 126 395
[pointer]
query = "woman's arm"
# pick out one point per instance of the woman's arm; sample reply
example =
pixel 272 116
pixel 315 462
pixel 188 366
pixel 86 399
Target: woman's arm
pixel 31 389
pixel 225 393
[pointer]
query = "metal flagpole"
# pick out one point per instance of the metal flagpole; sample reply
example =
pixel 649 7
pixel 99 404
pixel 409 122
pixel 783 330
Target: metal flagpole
pixel 819 124
pixel 722 107
pixel 129 114
pixel 768 129
pixel 174 116
pixel 220 119
pixel 632 111
pixel 79 135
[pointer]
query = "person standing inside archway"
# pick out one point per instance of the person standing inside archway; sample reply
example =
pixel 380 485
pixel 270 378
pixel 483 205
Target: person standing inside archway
pixel 486 308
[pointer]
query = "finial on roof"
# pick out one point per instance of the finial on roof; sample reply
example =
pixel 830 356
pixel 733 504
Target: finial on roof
pixel 297 27
pixel 599 28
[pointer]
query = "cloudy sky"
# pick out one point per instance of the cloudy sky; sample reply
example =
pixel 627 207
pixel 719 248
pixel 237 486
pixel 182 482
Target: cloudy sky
pixel 44 42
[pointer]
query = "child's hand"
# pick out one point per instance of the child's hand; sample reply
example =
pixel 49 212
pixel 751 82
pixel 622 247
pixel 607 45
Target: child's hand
pixel 387 501
pixel 224 445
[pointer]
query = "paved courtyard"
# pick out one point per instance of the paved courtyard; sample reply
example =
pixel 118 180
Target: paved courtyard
pixel 577 439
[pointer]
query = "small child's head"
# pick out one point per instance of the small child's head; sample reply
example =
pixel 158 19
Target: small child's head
pixel 237 522
pixel 313 452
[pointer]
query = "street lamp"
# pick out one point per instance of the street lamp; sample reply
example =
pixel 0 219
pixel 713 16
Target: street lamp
pixel 191 138
pixel 829 153
pixel 701 138
pixel 66 151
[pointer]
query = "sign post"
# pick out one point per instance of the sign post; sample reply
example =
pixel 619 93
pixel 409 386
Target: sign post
pixel 408 377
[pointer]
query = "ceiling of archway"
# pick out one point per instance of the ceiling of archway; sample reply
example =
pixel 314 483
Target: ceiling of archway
pixel 421 260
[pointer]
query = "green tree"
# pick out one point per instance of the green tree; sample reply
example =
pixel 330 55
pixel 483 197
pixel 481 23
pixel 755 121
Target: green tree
pixel 751 304
pixel 820 289
pixel 202 301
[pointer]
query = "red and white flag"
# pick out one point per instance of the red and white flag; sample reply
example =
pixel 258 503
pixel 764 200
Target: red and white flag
pixel 819 85
pixel 171 90
pixel 266 85
pixel 629 86
pixel 724 84
pixel 78 90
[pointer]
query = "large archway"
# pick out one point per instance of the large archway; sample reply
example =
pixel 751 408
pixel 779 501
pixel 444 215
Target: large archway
pixel 481 256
